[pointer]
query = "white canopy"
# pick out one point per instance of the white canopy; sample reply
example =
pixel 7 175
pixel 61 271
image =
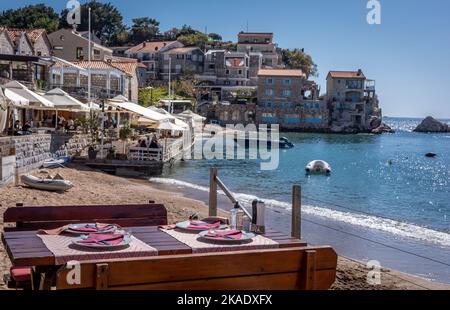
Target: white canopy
pixel 195 117
pixel 16 99
pixel 62 100
pixel 169 126
pixel 138 109
pixel 31 96
pixel 3 111
pixel 176 120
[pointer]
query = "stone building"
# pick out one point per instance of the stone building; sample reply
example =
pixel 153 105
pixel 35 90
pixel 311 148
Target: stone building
pixel 26 42
pixel 352 99
pixel 258 42
pixel 73 46
pixel 150 54
pixel 181 61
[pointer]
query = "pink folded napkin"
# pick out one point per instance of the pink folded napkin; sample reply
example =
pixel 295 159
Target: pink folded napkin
pixel 103 239
pixel 87 229
pixel 225 234
pixel 204 225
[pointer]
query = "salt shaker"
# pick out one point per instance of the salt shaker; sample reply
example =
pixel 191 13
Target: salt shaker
pixel 259 217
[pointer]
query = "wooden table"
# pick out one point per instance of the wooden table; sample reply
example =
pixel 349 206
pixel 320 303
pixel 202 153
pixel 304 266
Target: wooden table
pixel 25 248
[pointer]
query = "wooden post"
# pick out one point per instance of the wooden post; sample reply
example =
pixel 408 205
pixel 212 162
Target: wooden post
pixel 213 192
pixel 297 212
pixel 309 268
pixel 101 280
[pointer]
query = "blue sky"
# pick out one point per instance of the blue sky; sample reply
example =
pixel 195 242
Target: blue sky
pixel 408 54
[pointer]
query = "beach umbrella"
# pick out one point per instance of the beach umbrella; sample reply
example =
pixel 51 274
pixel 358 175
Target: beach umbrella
pixel 3 112
pixel 169 126
pixel 195 117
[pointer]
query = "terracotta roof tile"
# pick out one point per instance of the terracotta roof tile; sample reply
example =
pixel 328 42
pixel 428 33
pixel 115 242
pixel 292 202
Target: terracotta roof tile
pixel 347 74
pixel 281 72
pixel 149 47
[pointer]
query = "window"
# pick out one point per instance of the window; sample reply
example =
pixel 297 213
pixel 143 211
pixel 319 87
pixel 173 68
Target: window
pixel 96 54
pixel 194 57
pixel 227 72
pixel 269 81
pixel 79 52
pixel 287 82
pixel 189 57
pixel 269 92
pixel 287 93
pixel 240 71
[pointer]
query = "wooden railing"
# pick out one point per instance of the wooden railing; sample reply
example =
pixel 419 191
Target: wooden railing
pixel 215 182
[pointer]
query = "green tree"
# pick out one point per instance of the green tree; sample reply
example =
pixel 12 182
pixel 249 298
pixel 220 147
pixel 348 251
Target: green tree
pixel 144 29
pixel 198 39
pixel 215 37
pixel 298 59
pixel 31 16
pixel 148 96
pixel 106 21
pixel 171 34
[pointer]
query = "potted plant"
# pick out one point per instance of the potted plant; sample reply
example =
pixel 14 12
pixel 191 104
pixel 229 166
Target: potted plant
pixel 91 127
pixel 125 133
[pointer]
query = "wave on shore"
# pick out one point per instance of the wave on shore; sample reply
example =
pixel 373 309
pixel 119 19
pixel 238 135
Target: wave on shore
pixel 397 228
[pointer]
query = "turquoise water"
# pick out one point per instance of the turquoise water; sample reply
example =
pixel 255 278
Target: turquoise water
pixel 409 198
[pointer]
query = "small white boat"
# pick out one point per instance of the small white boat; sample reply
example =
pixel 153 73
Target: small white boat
pixel 56 163
pixel 56 184
pixel 318 167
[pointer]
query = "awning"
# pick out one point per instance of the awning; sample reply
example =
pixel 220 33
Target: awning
pixel 63 100
pixel 138 109
pixel 16 99
pixel 3 112
pixel 32 97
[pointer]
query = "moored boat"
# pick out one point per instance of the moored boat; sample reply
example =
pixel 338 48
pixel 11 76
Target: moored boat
pixel 54 184
pixel 318 167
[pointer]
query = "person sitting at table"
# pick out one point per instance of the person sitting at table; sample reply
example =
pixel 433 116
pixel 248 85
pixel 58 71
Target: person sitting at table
pixel 70 124
pixel 61 121
pixel 143 143
pixel 26 129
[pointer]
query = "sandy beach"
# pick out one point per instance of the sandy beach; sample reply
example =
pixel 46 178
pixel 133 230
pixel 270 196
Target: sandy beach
pixel 92 187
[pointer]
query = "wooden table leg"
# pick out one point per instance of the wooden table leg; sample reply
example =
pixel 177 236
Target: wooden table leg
pixel 47 280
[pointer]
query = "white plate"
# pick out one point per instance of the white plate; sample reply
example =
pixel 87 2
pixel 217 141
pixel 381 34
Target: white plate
pixel 126 241
pixel 110 229
pixel 185 226
pixel 246 236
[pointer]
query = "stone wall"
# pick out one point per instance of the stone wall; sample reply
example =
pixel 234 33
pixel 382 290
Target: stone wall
pixel 62 144
pixel 6 145
pixel 31 151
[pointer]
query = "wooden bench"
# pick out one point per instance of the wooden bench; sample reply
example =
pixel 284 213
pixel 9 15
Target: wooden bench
pixel 308 268
pixel 50 217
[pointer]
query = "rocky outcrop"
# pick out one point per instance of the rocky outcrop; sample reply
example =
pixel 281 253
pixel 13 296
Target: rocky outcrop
pixel 383 128
pixel 432 125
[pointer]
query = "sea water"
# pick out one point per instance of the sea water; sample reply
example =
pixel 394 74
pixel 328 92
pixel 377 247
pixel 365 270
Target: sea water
pixel 382 188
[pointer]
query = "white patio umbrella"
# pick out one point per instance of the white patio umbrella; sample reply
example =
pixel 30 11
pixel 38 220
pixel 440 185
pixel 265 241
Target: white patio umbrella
pixel 63 100
pixel 195 117
pixel 177 121
pixel 169 126
pixel 32 97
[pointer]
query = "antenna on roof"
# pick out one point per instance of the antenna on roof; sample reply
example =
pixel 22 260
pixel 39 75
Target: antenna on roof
pixel 247 25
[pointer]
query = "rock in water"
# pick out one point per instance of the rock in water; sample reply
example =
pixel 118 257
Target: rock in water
pixel 432 125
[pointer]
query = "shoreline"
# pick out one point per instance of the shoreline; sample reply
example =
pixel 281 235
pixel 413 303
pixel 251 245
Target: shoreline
pixel 94 187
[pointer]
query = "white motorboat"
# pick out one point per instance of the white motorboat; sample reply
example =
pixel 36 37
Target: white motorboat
pixel 56 162
pixel 56 184
pixel 318 167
